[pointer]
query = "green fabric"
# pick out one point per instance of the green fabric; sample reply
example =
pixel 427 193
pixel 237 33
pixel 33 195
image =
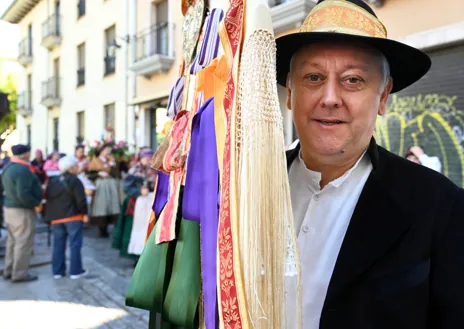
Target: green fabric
pixel 122 231
pixel 22 187
pixel 151 275
pixel 181 303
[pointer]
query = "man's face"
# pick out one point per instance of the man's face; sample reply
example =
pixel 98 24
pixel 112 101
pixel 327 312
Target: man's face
pixel 335 92
pixel 27 157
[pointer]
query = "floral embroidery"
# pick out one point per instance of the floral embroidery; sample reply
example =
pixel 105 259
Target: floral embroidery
pixel 343 17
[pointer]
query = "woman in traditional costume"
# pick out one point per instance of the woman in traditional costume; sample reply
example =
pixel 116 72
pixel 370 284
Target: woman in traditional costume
pixel 138 186
pixel 105 205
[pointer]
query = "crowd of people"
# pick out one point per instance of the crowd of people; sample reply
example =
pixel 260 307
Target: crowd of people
pixel 69 193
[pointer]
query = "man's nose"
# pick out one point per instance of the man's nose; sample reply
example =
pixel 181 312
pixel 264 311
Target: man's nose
pixel 331 98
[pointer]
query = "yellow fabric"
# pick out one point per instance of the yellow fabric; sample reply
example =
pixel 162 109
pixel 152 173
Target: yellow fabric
pixel 220 79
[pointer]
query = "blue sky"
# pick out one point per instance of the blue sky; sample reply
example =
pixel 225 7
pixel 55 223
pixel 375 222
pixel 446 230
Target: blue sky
pixel 9 34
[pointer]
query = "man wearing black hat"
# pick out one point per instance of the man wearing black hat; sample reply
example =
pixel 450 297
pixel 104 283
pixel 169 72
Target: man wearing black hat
pixel 22 194
pixel 381 239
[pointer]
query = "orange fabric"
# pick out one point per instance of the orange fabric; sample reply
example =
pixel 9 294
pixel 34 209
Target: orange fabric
pixel 205 80
pixel 75 218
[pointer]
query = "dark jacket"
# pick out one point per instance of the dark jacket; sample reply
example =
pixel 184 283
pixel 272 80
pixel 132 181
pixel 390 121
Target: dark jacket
pixel 401 264
pixel 132 185
pixel 65 198
pixel 22 187
pixel 40 173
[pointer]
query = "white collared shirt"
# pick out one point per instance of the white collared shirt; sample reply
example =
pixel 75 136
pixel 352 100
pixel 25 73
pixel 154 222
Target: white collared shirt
pixel 321 219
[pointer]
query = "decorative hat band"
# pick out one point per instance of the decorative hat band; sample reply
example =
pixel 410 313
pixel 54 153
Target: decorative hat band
pixel 343 17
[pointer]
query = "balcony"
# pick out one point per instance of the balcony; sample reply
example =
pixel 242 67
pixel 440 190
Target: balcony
pixel 51 94
pixel 24 103
pixel 51 32
pixel 25 52
pixel 289 14
pixel 154 52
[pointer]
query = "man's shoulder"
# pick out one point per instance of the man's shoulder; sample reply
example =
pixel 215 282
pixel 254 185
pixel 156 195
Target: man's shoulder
pixel 15 168
pixel 408 178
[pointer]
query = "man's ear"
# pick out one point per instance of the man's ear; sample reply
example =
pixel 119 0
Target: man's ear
pixel 289 92
pixel 384 97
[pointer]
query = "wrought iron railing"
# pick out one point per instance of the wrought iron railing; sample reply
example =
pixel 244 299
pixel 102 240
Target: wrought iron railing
pixel 24 101
pixel 51 26
pixel 51 88
pixel 25 47
pixel 80 8
pixel 81 77
pixel 154 41
pixel 110 64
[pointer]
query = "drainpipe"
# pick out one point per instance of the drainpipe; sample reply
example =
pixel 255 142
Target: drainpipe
pixel 126 70
pixel 46 108
pixel 133 34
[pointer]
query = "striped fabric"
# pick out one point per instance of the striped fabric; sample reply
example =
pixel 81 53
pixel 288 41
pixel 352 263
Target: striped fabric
pixel 175 98
pixel 207 52
pixel 210 45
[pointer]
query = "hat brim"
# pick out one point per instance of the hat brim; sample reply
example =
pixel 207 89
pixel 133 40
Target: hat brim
pixel 407 64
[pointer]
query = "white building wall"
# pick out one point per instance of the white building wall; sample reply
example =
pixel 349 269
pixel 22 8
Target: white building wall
pixel 97 91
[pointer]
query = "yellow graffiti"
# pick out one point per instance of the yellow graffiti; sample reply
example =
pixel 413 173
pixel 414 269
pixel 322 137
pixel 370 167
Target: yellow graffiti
pixel 421 103
pixel 405 124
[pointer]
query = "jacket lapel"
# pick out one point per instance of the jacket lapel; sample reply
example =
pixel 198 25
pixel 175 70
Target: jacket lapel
pixel 374 227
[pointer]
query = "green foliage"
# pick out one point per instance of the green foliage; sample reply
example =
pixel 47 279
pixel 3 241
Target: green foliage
pixel 8 86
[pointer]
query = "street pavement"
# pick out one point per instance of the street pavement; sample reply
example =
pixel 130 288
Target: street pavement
pixel 96 301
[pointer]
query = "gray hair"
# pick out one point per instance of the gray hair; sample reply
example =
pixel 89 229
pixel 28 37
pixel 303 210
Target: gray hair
pixel 379 58
pixel 23 156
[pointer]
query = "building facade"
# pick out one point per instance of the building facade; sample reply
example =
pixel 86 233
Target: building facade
pixel 74 70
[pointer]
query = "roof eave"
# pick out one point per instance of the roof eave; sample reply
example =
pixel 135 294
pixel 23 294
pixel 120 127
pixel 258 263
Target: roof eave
pixel 18 10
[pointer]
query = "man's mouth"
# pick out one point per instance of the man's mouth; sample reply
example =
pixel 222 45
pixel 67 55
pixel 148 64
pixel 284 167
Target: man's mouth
pixel 330 122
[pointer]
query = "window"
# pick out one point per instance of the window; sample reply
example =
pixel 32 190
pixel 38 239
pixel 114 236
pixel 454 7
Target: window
pixel 110 47
pixel 29 40
pixel 80 8
pixel 110 119
pixel 80 127
pixel 56 128
pixel 56 74
pixel 159 39
pixel 29 89
pixel 81 64
pixel 29 134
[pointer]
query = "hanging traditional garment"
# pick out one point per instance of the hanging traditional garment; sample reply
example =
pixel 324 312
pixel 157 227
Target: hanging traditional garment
pixel 267 242
pixel 232 302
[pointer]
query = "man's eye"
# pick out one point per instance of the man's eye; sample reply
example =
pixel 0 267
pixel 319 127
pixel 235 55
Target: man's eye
pixel 313 77
pixel 353 80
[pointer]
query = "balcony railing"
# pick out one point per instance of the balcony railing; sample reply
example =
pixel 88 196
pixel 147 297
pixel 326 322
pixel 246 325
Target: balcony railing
pixel 80 8
pixel 51 93
pixel 81 77
pixel 24 103
pixel 153 50
pixel 110 64
pixel 25 51
pixel 51 32
pixel 288 14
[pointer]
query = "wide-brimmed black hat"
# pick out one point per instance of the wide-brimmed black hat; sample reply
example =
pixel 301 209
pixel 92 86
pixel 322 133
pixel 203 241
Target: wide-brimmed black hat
pixel 352 21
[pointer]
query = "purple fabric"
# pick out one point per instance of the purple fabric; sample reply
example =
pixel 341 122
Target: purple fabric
pixel 210 44
pixel 161 196
pixel 200 202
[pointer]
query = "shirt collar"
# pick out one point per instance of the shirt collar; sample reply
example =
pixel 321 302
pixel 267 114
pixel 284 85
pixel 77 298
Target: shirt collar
pixel 314 177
